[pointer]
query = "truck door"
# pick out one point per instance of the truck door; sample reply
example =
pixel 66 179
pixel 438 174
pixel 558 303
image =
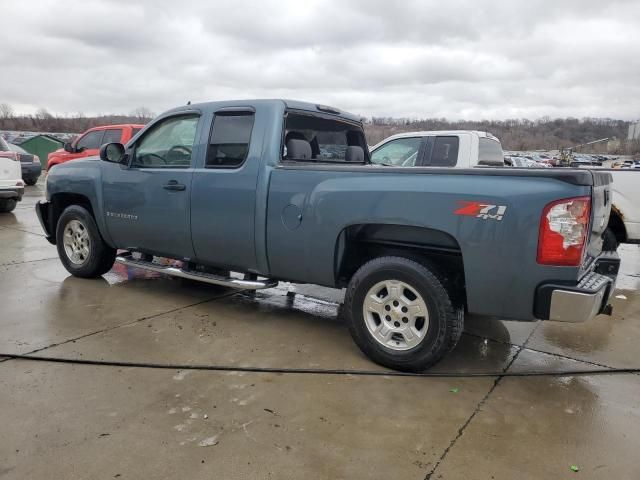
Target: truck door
pixel 223 197
pixel 147 203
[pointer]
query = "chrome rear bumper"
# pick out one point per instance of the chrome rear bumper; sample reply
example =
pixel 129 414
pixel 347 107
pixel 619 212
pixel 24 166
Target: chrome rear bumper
pixel 569 306
pixel 579 302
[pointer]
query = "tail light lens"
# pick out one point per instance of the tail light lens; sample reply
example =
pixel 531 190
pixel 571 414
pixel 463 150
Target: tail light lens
pixel 11 155
pixel 563 231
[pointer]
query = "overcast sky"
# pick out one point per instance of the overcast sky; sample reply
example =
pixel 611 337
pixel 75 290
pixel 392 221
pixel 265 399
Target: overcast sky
pixel 454 59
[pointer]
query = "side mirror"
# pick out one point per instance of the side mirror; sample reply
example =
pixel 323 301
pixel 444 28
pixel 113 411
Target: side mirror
pixel 112 152
pixel 68 147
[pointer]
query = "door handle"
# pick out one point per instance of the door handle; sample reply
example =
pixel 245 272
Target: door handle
pixel 174 185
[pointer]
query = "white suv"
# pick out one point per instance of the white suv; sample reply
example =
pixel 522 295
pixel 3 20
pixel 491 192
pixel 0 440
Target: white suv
pixel 11 184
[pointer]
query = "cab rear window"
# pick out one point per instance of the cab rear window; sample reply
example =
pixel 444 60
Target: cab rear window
pixel 322 139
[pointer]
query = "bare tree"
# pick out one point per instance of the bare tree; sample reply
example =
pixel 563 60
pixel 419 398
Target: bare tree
pixel 43 114
pixel 143 114
pixel 6 110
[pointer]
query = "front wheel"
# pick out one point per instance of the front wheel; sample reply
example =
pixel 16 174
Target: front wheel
pixel 80 246
pixel 400 315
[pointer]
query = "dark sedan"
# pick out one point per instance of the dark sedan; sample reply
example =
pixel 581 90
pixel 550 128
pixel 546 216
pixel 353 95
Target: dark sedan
pixel 30 164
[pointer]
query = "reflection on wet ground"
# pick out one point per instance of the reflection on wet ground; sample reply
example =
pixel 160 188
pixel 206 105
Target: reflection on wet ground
pixel 101 421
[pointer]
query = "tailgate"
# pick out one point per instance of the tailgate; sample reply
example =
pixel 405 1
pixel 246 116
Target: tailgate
pixel 600 209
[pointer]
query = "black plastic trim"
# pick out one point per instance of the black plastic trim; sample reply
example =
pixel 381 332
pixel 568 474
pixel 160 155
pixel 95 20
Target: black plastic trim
pixel 43 211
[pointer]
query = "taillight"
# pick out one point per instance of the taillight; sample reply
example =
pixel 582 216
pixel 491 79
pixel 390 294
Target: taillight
pixel 563 231
pixel 10 155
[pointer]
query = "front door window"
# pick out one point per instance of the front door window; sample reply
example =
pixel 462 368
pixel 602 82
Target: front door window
pixel 168 144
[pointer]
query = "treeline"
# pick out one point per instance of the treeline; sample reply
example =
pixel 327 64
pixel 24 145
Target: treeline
pixel 43 121
pixel 521 134
pixel 515 134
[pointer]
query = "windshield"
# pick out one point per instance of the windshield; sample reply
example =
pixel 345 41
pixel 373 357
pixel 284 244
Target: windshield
pixel 4 147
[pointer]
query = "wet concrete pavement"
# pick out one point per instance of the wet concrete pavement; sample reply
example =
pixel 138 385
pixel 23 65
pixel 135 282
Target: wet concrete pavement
pixel 84 421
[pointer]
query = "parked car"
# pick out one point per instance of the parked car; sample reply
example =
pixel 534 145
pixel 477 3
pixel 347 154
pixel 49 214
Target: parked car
pixel 455 148
pixel 524 162
pixel 87 144
pixel 11 183
pixel 283 190
pixel 29 163
pixel 631 164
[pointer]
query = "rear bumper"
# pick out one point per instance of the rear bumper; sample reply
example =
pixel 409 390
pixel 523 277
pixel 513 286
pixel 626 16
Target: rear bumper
pixel 12 192
pixel 582 301
pixel 43 211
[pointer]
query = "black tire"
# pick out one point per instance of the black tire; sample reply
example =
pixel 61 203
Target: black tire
pixel 609 241
pixel 445 321
pixel 31 181
pixel 101 256
pixel 7 205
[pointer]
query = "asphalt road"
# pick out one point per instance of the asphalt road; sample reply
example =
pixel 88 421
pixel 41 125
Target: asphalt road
pixel 63 421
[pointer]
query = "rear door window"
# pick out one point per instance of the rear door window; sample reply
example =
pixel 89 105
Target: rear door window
pixel 445 151
pixel 229 139
pixel 113 135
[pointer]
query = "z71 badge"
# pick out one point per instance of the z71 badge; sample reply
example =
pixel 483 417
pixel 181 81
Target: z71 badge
pixel 481 210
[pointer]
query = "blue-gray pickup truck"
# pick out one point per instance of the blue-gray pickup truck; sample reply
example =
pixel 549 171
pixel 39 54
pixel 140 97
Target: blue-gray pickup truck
pixel 247 193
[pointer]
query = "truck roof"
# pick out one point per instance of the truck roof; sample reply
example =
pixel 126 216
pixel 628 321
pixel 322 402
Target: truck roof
pixel 119 125
pixel 273 102
pixel 426 133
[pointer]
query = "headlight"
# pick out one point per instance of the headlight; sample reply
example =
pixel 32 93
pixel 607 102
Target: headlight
pixel 36 159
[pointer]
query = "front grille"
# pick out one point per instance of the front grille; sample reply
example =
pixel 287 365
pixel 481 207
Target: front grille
pixel 26 157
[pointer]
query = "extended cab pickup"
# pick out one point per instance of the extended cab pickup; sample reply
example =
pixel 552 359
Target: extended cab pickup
pixel 247 193
pixel 88 143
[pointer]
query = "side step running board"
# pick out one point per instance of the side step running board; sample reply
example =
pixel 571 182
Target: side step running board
pixel 127 259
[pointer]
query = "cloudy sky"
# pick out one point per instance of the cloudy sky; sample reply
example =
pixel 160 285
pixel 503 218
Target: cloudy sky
pixel 412 58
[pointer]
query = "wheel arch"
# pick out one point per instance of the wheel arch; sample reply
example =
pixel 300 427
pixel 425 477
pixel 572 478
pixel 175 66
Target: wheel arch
pixel 616 224
pixel 436 249
pixel 60 201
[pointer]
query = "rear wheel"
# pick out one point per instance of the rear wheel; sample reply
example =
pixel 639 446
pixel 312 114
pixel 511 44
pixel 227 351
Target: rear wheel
pixel 31 181
pixel 609 241
pixel 7 204
pixel 400 315
pixel 80 246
